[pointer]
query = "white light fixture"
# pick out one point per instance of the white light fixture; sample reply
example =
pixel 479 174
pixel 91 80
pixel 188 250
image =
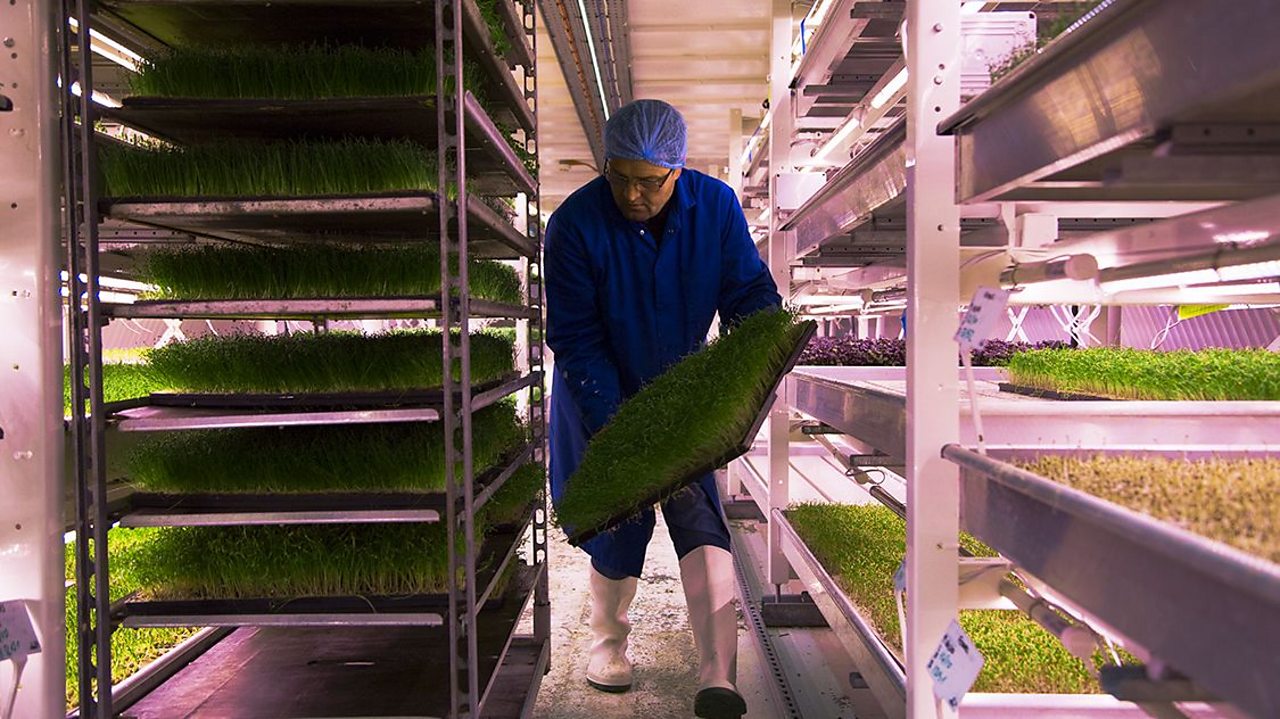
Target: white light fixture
pixel 595 63
pixel 1239 265
pixel 890 89
pixel 839 136
pixel 828 300
pixel 119 283
pixel 110 49
pixel 1243 237
pixel 101 98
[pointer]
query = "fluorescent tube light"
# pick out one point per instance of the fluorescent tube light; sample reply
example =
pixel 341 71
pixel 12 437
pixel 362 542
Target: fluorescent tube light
pixel 839 136
pixel 890 89
pixel 101 98
pixel 595 63
pixel 110 49
pixel 1239 265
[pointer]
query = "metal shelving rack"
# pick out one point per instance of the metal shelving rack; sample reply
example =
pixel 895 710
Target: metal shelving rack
pixel 464 628
pixel 1145 137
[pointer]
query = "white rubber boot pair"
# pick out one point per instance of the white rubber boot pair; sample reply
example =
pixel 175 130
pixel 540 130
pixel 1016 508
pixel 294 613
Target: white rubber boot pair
pixel 708 577
pixel 608 668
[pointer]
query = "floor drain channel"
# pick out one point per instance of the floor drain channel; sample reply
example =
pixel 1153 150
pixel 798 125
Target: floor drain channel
pixel 751 608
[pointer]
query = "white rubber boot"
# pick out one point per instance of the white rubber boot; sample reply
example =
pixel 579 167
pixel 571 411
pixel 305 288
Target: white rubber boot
pixel 608 668
pixel 709 588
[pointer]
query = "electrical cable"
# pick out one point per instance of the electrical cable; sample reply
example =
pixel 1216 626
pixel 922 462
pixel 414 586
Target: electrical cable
pixel 1163 334
pixel 973 398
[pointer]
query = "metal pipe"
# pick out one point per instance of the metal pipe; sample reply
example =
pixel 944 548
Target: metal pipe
pixel 1225 263
pixel 1078 639
pixel 1074 267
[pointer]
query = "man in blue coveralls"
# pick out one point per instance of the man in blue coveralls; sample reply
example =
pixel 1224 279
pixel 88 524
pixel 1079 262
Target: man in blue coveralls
pixel 637 264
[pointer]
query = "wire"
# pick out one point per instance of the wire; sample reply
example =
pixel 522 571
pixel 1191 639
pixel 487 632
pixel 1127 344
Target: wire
pixel 1170 322
pixel 973 399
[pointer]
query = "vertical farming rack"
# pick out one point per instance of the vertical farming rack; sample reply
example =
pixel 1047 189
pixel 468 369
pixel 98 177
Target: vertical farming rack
pixel 456 653
pixel 1138 138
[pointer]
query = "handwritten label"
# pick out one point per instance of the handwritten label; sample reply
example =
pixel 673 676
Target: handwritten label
pixel 954 666
pixel 17 635
pixel 985 310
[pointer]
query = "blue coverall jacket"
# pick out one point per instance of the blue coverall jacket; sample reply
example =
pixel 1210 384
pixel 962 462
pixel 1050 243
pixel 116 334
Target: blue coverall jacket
pixel 622 308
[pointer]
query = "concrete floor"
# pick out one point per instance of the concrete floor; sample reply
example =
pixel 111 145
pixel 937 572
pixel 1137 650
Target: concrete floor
pixel 661 645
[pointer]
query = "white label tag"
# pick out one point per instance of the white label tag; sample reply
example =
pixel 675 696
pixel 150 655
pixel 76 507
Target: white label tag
pixel 900 577
pixel 985 310
pixel 17 635
pixel 954 666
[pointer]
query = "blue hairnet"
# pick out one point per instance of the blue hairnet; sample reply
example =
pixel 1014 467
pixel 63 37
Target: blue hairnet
pixel 649 130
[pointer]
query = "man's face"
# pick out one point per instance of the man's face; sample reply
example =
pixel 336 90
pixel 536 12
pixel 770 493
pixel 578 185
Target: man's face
pixel 640 188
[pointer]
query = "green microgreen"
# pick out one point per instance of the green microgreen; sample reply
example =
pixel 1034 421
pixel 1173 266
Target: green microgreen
pixel 394 457
pixel 320 362
pixel 315 560
pixel 1234 501
pixel 314 270
pixel 131 649
pixel 1122 373
pixel 862 546
pixel 268 169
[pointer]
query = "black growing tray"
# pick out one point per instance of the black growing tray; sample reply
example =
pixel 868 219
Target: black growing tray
pixel 741 448
pixel 1051 394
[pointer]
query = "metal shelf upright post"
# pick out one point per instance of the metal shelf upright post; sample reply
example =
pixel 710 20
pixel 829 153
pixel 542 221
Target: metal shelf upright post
pixel 31 441
pixel 84 347
pixel 932 40
pixel 464 685
pixel 534 340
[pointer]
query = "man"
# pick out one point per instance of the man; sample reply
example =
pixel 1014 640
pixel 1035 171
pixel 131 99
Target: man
pixel 638 262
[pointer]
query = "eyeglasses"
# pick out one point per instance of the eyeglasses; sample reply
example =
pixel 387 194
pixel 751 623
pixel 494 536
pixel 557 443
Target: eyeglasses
pixel 645 184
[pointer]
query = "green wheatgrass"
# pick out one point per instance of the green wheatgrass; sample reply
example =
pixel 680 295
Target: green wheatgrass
pixel 1234 501
pixel 120 381
pixel 324 362
pixel 862 546
pixel 1122 373
pixel 688 417
pixel 268 169
pixel 314 560
pixel 300 72
pixel 131 649
pixel 393 457
pixel 314 271
pixel 497 28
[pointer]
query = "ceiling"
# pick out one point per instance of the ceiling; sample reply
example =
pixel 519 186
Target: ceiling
pixel 707 59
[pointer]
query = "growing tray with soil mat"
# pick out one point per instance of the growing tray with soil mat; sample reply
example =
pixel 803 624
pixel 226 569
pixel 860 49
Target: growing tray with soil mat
pixel 372 472
pixel 349 190
pixel 861 546
pixel 1134 374
pixel 700 414
pixel 321 574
